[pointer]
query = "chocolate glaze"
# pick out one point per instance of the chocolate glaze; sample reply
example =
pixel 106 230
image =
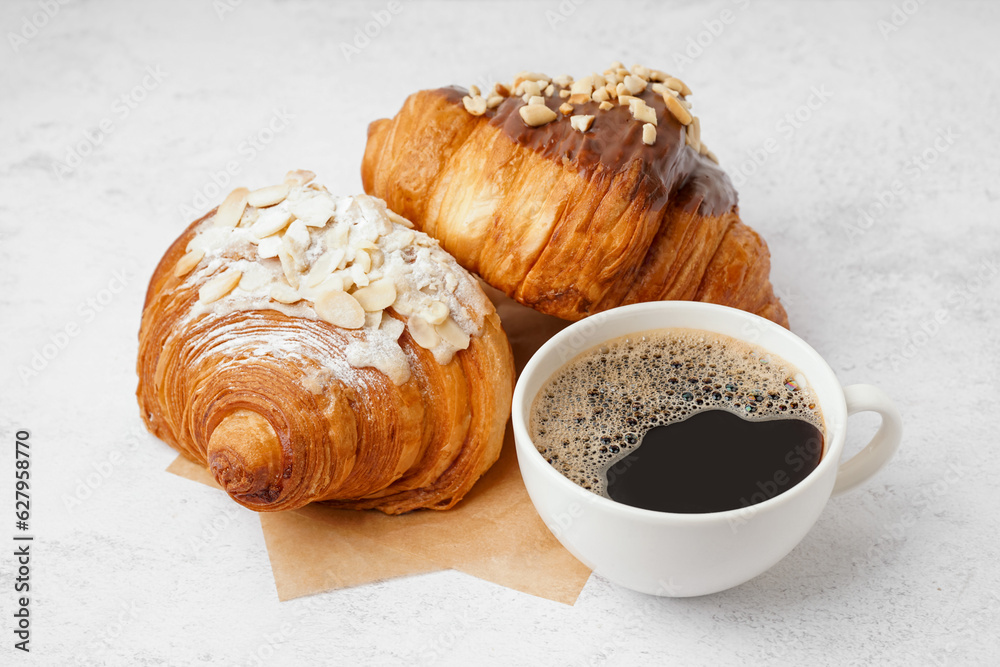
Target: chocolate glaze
pixel 614 142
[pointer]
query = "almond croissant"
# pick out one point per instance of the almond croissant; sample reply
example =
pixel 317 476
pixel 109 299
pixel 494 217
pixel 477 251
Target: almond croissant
pixel 573 196
pixel 311 348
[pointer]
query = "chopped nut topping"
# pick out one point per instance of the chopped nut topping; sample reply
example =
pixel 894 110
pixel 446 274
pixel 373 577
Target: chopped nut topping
pixel 269 196
pixel 627 86
pixel 676 84
pixel 642 111
pixel 634 84
pixel 219 286
pixel 675 108
pixel 648 134
pixel 535 115
pixel 530 88
pixel 530 76
pixel 190 260
pixel 474 105
pixel 581 123
pixel 474 90
pixel 584 86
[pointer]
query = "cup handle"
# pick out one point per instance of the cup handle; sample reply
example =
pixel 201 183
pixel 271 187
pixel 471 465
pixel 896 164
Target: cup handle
pixel 864 464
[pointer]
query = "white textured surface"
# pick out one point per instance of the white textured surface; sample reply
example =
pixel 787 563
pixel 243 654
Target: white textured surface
pixel 902 571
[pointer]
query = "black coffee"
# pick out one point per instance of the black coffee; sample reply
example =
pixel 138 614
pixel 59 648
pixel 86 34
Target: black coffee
pixel 679 420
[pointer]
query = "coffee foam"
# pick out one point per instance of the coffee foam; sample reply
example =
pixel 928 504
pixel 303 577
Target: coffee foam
pixel 596 409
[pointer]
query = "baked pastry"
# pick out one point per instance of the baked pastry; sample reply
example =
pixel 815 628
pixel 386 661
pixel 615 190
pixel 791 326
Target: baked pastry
pixel 310 348
pixel 573 196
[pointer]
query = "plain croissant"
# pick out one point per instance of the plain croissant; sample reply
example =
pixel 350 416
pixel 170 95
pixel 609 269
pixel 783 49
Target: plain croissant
pixel 573 196
pixel 312 348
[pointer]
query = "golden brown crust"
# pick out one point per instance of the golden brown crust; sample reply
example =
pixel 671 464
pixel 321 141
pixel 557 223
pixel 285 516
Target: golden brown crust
pixel 279 431
pixel 566 222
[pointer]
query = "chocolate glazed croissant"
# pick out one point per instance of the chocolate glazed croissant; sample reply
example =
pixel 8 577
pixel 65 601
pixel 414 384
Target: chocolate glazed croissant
pixel 573 196
pixel 311 348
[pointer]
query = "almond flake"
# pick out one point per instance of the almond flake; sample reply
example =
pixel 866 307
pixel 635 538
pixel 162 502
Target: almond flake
pixel 398 219
pixel 378 295
pixel 269 196
pixel 284 293
pixel 186 263
pixel 219 286
pixel 271 221
pixel 299 177
pixel 423 332
pixel 268 247
pixel 453 334
pixel 340 309
pixel 373 320
pixel 315 211
pixel 231 209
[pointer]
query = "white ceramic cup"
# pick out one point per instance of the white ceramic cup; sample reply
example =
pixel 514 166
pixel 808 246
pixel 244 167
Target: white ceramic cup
pixel 682 555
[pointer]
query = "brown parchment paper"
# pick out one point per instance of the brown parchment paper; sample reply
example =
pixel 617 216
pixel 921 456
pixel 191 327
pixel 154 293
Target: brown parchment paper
pixel 493 534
